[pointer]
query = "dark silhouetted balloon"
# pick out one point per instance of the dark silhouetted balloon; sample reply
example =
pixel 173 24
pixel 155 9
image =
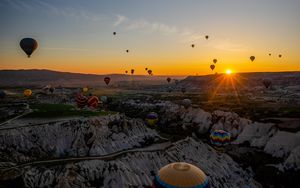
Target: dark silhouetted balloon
pixel 150 72
pixel 212 67
pixel 267 82
pixel 270 54
pixel 132 71
pixel 28 45
pixel 107 80
pixel 127 51
pixel 2 94
pixel 215 61
pixel 168 79
pixel 252 58
pixel 146 68
pixel 206 37
pixel 183 90
pixel 114 33
pixel 279 55
pixel 193 45
pixel 126 72
pixel 186 103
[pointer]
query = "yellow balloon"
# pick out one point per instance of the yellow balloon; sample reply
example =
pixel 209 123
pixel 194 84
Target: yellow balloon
pixel 27 92
pixel 85 89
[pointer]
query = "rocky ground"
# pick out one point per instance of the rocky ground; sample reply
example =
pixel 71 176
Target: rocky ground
pixel 121 151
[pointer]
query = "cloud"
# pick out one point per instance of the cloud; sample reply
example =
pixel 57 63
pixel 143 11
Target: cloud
pixel 228 45
pixel 20 5
pixel 120 20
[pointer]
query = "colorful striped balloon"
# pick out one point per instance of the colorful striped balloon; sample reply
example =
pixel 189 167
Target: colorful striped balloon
pixel 152 118
pixel 81 100
pixel 180 174
pixel 220 137
pixel 93 102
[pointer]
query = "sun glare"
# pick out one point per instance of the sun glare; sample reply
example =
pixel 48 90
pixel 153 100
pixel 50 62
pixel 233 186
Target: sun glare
pixel 228 71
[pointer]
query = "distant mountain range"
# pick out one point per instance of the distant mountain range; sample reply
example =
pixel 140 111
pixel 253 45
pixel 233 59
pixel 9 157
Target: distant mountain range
pixel 35 77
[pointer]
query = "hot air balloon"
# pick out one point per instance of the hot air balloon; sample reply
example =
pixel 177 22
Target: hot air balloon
pixel 2 94
pixel 186 103
pixel 279 55
pixel 180 175
pixel 93 102
pixel 267 83
pixel 126 72
pixel 220 137
pixel 252 58
pixel 146 68
pixel 127 51
pixel 193 45
pixel 168 79
pixel 215 61
pixel 206 37
pixel 270 54
pixel 212 67
pixel 114 33
pixel 132 71
pixel 107 80
pixel 81 100
pixel 103 99
pixel 150 72
pixel 27 92
pixel 28 45
pixel 152 119
pixel 85 89
pixel 183 90
pixel 51 90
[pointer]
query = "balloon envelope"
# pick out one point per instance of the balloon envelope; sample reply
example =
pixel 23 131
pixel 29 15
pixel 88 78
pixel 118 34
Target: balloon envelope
pixel 168 79
pixel 93 102
pixel 252 58
pixel 2 94
pixel 220 137
pixel 186 103
pixel 267 83
pixel 107 80
pixel 179 175
pixel 81 100
pixel 212 67
pixel 206 37
pixel 27 92
pixel 28 45
pixel 215 61
pixel 151 119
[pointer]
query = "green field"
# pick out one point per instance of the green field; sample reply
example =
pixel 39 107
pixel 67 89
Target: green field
pixel 61 110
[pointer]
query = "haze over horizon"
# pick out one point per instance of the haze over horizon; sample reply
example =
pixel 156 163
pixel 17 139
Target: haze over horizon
pixel 75 36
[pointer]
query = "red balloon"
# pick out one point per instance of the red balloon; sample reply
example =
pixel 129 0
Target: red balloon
pixel 93 102
pixel 80 100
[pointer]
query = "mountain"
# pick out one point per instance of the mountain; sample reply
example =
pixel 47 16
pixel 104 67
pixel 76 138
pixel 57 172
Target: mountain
pixel 35 77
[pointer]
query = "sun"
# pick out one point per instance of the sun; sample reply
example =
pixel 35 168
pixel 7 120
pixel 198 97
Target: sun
pixel 228 71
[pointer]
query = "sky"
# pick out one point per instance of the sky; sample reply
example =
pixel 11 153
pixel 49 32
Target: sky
pixel 77 35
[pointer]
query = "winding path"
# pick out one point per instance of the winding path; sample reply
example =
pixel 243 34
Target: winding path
pixel 108 157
